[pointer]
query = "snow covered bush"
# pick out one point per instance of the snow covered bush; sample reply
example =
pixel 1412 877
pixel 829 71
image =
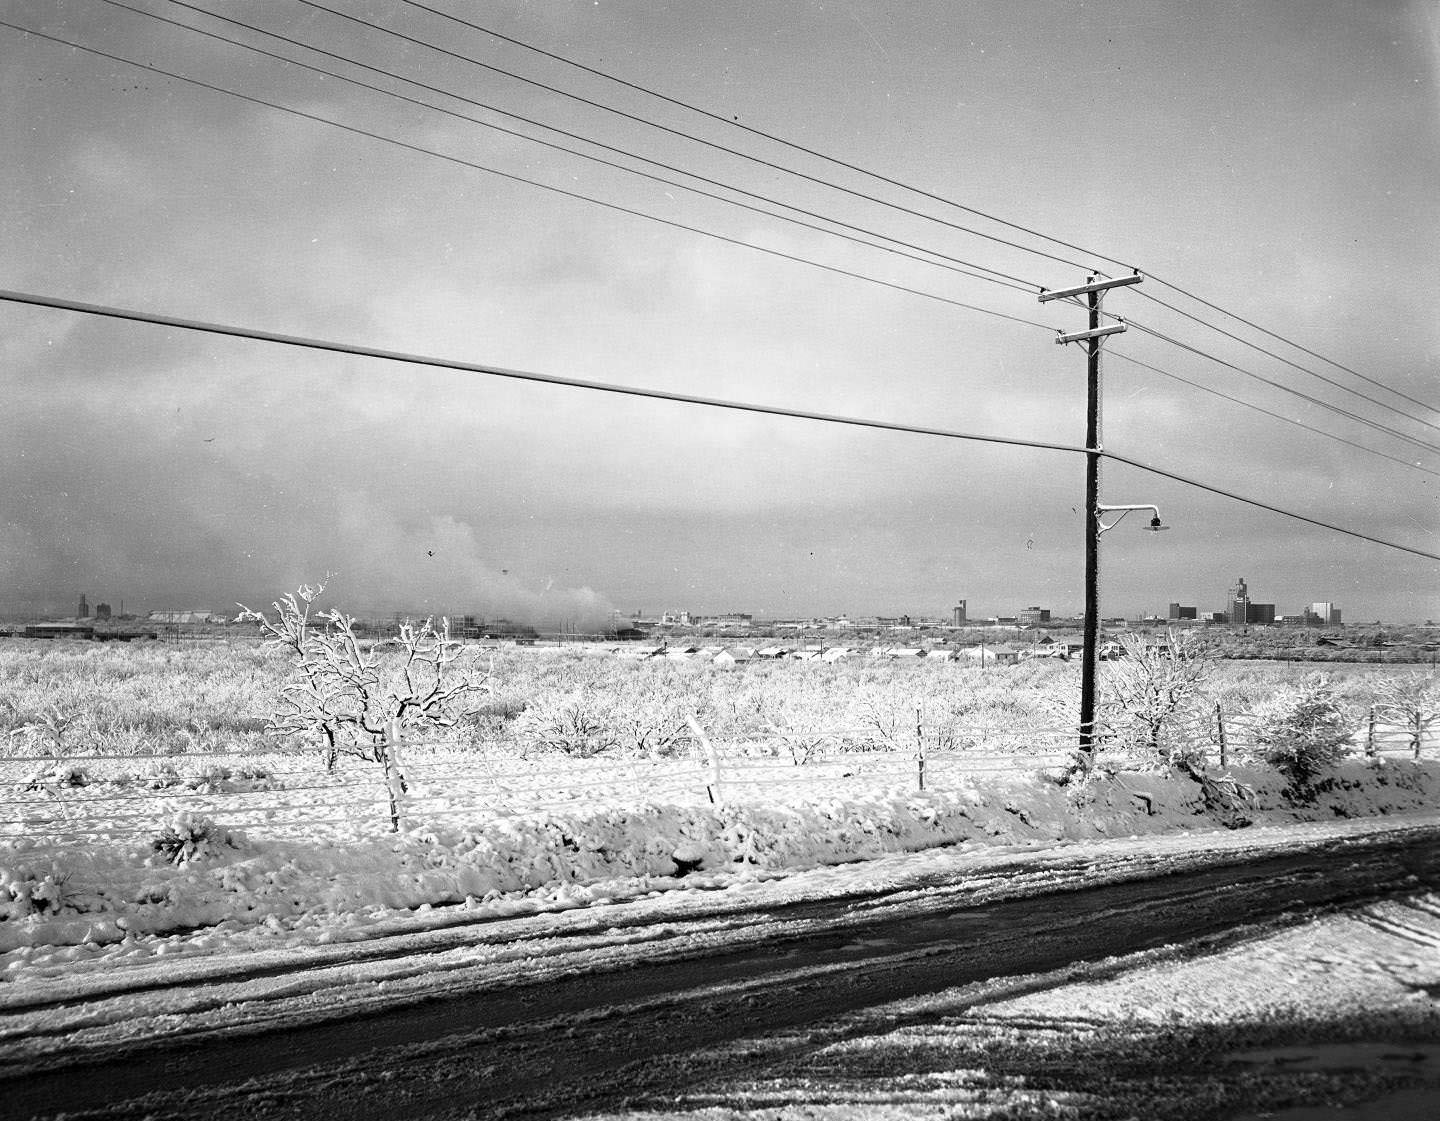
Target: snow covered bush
pixel 26 891
pixel 50 728
pixel 188 837
pixel 1304 732
pixel 570 725
pixel 60 776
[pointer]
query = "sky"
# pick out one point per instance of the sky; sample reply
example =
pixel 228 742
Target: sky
pixel 1278 161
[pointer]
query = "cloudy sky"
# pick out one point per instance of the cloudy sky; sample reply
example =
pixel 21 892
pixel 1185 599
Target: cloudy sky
pixel 1278 160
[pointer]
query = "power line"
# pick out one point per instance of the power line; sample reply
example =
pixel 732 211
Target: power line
pixel 681 186
pixel 1394 432
pixel 527 181
pixel 1112 353
pixel 732 123
pixel 1290 342
pixel 879 176
pixel 1303 369
pixel 443 92
pixel 641 214
pixel 1006 279
pixel 357 350
pixel 1187 481
pixel 685 135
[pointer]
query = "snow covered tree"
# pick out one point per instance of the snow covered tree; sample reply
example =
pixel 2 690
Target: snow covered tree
pixel 358 699
pixel 1304 732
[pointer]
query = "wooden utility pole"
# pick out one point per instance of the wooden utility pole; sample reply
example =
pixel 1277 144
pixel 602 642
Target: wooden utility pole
pixel 1093 290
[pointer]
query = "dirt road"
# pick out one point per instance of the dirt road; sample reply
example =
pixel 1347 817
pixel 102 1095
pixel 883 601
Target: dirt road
pixel 640 1027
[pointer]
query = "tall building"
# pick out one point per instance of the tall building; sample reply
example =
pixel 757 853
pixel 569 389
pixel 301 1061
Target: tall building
pixel 84 612
pixel 959 614
pixel 1325 613
pixel 1237 605
pixel 1178 612
pixel 1034 616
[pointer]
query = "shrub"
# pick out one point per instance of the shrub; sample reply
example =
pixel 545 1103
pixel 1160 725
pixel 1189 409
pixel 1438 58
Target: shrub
pixel 61 776
pixel 26 891
pixel 1304 732
pixel 187 838
pixel 568 725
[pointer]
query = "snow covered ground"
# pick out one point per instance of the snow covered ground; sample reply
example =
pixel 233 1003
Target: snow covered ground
pixel 122 899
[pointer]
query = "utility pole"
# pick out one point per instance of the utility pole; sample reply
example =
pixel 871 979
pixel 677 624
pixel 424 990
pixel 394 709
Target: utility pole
pixel 1093 290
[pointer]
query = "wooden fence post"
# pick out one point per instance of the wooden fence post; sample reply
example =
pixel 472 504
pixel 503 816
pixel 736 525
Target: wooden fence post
pixel 919 750
pixel 713 788
pixel 1370 735
pixel 1220 733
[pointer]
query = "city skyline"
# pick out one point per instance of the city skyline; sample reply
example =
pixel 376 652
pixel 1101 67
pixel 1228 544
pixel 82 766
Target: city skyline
pixel 1275 164
pixel 1324 612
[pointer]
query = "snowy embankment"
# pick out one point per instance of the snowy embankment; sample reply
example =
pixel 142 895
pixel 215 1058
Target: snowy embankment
pixel 75 901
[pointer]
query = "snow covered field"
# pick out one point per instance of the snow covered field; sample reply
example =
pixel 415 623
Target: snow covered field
pixel 121 897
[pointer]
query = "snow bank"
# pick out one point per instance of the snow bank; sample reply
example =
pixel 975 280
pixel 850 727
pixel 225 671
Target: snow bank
pixel 203 877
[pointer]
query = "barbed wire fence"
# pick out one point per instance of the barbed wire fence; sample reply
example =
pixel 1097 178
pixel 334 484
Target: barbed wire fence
pixel 57 798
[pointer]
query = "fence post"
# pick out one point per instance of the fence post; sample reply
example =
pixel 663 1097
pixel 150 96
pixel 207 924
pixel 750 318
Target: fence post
pixel 1370 735
pixel 919 750
pixel 713 788
pixel 394 779
pixel 1220 733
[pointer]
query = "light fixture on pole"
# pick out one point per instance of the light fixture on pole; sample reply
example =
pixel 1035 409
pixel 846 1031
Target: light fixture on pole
pixel 1101 526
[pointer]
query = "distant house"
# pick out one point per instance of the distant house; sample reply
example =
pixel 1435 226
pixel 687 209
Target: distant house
pixel 837 654
pixel 191 617
pixel 59 630
pixel 733 656
pixel 987 655
pixel 772 652
pixel 640 653
pixel 905 652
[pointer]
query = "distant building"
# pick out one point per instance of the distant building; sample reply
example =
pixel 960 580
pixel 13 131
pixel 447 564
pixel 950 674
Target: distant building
pixel 1034 616
pixel 59 630
pixel 84 610
pixel 1237 603
pixel 1262 614
pixel 730 619
pixel 102 612
pixel 957 616
pixel 1324 613
pixel 1178 612
pixel 187 618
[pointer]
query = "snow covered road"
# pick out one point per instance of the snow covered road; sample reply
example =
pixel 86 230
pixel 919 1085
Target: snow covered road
pixel 713 1003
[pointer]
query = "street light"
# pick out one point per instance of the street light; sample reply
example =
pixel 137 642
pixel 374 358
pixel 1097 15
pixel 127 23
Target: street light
pixel 1153 527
